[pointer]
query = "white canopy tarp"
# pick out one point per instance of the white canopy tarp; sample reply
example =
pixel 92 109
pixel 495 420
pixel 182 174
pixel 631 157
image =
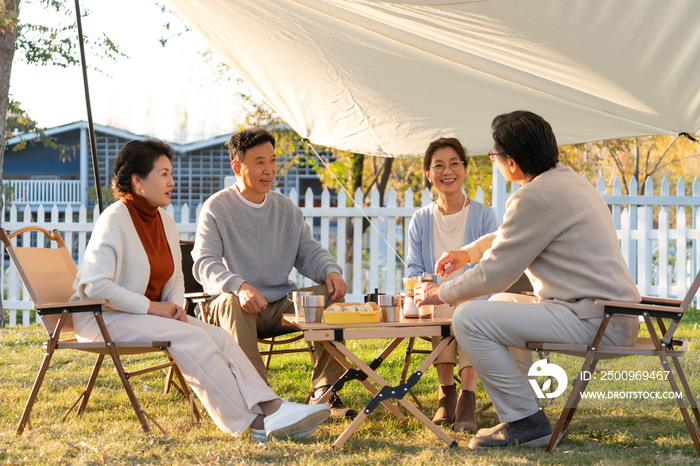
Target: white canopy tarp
pixel 387 77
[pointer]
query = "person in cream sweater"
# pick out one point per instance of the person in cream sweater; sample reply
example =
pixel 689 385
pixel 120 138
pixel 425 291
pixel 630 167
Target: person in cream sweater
pixel 133 261
pixel 559 231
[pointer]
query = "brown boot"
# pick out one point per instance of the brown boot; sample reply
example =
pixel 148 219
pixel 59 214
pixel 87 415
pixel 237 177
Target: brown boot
pixel 465 417
pixel 447 401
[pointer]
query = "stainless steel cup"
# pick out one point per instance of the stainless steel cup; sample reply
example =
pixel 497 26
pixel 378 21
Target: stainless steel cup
pixel 389 304
pixel 295 297
pixel 312 307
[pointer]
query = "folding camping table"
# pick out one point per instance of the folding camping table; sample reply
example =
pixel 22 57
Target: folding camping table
pixel 331 337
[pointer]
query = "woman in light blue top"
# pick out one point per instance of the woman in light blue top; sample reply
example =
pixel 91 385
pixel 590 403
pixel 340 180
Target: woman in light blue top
pixel 448 223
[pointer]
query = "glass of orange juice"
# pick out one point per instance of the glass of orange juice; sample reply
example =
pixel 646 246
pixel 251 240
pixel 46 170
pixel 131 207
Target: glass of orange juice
pixel 410 283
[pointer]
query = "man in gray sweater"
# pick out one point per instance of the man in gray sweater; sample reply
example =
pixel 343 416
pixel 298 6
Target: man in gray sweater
pixel 248 240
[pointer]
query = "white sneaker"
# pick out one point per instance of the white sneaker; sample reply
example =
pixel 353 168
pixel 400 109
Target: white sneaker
pixel 295 420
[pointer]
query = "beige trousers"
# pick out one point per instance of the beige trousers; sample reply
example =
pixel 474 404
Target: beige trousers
pixel 226 312
pixel 213 364
pixel 523 359
pixel 486 329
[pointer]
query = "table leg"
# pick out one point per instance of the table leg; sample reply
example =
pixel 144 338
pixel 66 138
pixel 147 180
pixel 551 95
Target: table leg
pixel 332 349
pixel 353 374
pixel 406 404
pixel 361 416
pixel 404 371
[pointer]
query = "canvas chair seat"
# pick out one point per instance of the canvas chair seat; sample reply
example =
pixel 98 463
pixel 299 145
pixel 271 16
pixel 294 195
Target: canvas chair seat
pixel 48 275
pixel 643 347
pixel 660 344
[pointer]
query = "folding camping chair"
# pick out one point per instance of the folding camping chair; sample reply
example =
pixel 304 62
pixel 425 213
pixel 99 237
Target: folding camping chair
pixel 195 304
pixel 195 296
pixel 48 275
pixel 663 347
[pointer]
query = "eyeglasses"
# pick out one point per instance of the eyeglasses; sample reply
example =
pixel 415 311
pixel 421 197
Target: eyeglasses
pixel 454 166
pixel 493 154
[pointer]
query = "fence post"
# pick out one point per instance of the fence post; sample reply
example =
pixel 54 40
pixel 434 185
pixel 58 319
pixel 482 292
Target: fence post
pixel 644 227
pixel 374 244
pixel 408 202
pixel 681 270
pixel 390 284
pixel 357 248
pixel 663 268
pixel 325 219
pixel 634 221
pixel 68 233
pixel 340 235
pixel 696 226
pixel 12 277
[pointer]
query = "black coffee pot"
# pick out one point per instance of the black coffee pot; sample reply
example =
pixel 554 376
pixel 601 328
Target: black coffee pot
pixel 374 297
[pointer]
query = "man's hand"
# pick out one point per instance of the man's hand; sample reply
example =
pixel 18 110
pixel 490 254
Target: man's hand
pixel 168 310
pixel 251 299
pixel 336 285
pixel 451 261
pixel 427 293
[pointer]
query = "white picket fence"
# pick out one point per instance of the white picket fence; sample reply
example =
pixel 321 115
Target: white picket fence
pixel 662 256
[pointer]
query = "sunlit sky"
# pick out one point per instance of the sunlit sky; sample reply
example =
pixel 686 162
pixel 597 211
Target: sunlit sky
pixel 158 90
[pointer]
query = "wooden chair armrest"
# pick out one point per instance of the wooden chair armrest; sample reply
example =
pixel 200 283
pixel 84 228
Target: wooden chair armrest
pixel 655 310
pixel 662 301
pixel 71 306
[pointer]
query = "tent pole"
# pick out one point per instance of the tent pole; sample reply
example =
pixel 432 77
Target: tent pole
pixel 686 135
pixel 91 127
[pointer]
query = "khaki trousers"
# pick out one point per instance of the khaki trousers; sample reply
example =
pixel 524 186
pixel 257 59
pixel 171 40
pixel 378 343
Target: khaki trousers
pixel 212 363
pixel 486 329
pixel 523 359
pixel 226 312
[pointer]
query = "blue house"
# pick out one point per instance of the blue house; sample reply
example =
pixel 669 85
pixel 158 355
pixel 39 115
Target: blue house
pixel 37 175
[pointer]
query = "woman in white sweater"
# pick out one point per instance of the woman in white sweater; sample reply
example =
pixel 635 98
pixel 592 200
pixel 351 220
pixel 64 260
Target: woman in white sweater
pixel 133 261
pixel 559 231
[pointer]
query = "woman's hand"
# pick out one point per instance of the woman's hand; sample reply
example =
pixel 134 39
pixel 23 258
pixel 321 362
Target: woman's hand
pixel 168 310
pixel 427 293
pixel 451 261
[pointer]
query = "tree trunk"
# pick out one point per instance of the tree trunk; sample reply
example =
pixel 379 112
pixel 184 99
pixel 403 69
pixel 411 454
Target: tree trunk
pixel 7 53
pixel 384 179
pixel 356 166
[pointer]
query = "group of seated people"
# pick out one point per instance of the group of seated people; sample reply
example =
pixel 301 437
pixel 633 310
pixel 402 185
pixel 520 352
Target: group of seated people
pixel 557 229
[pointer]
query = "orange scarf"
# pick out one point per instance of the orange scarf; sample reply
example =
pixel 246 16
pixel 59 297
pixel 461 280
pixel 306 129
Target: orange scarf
pixel 149 226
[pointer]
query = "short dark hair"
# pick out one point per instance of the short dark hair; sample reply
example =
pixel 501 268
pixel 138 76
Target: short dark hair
pixel 526 138
pixel 442 143
pixel 241 141
pixel 137 157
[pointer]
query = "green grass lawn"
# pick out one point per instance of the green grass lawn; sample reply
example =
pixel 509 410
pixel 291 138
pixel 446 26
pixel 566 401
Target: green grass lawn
pixel 108 432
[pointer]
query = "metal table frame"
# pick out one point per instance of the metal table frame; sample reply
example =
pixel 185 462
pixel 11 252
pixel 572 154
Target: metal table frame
pixel 331 337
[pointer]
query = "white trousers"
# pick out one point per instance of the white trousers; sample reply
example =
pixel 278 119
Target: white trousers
pixel 213 364
pixel 486 329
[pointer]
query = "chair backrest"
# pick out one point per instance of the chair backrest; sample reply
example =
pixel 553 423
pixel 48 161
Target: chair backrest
pixel 691 292
pixel 47 273
pixel 191 284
